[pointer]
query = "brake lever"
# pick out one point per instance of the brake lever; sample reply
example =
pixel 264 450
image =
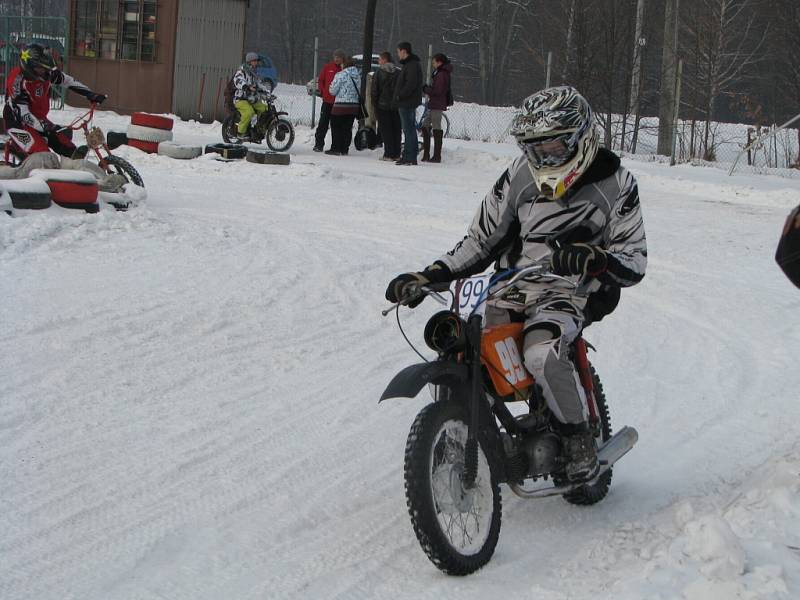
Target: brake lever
pixel 425 290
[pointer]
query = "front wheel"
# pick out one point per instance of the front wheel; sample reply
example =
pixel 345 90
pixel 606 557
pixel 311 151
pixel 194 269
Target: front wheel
pixel 126 169
pixel 280 135
pixel 457 527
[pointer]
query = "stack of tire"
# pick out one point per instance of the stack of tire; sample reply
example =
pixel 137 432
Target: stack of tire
pixel 147 131
pixel 25 194
pixel 153 134
pixel 70 189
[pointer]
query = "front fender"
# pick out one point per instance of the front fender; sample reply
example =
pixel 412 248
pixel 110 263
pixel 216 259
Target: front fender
pixel 282 113
pixel 408 382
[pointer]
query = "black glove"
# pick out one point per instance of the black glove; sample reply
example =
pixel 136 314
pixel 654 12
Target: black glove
pixel 403 287
pixel 579 259
pixel 97 98
pixel 49 127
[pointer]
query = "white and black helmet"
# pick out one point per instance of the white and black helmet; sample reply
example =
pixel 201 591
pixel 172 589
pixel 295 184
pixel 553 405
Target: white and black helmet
pixel 555 129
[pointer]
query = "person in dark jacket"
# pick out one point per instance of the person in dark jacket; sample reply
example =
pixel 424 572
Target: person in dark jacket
pixel 407 97
pixel 788 253
pixel 326 76
pixel 382 93
pixel 438 92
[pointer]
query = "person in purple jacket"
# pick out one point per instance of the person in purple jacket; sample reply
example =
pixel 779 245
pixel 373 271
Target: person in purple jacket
pixel 439 97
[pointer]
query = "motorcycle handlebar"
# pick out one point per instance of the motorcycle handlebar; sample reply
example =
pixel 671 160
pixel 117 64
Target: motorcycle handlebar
pixel 541 269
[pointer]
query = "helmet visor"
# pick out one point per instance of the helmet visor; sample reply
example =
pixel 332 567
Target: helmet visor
pixel 549 152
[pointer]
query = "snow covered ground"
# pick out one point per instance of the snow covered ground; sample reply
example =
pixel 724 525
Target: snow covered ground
pixel 188 392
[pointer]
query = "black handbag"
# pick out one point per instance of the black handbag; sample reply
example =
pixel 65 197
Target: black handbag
pixel 365 138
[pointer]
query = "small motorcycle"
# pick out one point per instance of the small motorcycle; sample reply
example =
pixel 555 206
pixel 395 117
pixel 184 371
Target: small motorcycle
pixel 16 150
pixel 269 125
pixel 467 442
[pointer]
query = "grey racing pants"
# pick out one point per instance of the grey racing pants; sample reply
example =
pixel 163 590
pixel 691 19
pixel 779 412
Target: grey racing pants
pixel 550 327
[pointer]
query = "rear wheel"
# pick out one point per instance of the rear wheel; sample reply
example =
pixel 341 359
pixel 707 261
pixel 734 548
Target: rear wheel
pixel 457 527
pixel 592 494
pixel 230 129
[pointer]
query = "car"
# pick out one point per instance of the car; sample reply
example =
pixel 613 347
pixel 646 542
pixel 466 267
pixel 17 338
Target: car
pixel 311 86
pixel 266 70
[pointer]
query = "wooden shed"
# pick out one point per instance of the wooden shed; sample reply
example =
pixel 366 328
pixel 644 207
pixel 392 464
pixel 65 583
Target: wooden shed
pixel 158 55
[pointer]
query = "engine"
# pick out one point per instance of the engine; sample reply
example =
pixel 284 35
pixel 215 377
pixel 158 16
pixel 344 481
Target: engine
pixel 542 450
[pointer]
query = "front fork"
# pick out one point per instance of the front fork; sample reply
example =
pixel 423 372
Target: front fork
pixel 474 332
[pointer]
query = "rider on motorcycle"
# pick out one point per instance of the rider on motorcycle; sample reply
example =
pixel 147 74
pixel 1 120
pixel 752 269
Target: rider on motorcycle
pixel 569 202
pixel 28 101
pixel 246 98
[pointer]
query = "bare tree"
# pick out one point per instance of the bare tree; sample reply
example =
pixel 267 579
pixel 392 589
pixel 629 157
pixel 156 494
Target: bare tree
pixel 490 29
pixel 724 48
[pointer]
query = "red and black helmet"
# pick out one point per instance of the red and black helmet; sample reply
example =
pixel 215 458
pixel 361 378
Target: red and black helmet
pixel 37 62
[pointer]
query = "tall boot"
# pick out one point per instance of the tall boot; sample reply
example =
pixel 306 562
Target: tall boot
pixel 426 145
pixel 581 453
pixel 438 135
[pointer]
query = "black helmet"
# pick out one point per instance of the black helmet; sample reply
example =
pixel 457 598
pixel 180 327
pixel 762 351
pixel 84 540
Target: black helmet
pixel 36 62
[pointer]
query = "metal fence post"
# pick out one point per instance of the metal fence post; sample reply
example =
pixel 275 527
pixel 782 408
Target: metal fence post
pixel 430 64
pixel 549 68
pixel 677 109
pixel 316 84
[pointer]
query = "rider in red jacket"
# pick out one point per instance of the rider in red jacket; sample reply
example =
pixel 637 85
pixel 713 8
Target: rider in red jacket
pixel 326 76
pixel 28 101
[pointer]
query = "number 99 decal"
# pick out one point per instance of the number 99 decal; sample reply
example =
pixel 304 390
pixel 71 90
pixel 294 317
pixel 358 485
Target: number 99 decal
pixel 468 292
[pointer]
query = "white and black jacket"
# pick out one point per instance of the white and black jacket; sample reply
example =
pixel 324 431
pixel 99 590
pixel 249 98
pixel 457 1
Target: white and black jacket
pixel 247 84
pixel 515 222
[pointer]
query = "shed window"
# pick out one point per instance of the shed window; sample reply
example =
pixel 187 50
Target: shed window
pixel 115 29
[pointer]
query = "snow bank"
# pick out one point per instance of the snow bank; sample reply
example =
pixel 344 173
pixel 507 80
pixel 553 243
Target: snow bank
pixel 741 543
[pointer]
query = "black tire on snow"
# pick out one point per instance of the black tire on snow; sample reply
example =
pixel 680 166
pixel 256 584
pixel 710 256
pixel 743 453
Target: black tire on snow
pixel 230 129
pixel 115 139
pixel 229 151
pixel 267 158
pixel 123 167
pixel 592 494
pixel 273 142
pixel 420 449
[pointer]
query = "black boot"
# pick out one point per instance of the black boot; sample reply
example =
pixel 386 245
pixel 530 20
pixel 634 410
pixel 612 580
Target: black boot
pixel 581 452
pixel 438 134
pixel 426 145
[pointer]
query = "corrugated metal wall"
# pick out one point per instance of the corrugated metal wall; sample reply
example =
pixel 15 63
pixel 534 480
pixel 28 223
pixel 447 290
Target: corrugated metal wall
pixel 209 46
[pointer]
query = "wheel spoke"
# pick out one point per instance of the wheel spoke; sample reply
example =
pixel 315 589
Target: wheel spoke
pixel 463 514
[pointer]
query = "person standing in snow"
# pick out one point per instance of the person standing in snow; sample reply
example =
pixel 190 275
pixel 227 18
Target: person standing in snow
pixel 28 101
pixel 346 107
pixel 324 81
pixel 788 253
pixel 568 202
pixel 388 118
pixel 407 97
pixel 439 95
pixel 246 97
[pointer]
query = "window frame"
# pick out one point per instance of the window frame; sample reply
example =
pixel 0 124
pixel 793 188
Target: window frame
pixel 144 8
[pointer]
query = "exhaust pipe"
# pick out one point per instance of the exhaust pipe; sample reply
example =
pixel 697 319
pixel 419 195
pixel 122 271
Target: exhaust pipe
pixel 617 447
pixel 608 454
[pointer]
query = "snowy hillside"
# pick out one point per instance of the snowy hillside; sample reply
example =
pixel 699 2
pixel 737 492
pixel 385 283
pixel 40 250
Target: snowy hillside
pixel 188 392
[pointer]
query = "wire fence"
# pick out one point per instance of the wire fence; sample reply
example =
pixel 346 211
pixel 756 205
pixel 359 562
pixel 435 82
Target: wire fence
pixel 717 147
